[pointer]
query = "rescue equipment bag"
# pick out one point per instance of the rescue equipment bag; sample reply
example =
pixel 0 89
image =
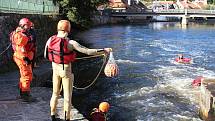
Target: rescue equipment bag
pixel 111 69
pixel 58 52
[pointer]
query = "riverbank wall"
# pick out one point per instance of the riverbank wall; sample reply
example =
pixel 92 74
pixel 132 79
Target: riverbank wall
pixel 45 26
pixel 106 19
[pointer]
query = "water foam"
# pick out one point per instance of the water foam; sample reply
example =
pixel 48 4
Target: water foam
pixel 129 61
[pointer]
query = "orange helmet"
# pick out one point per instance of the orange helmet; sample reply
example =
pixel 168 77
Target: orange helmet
pixel 64 25
pixel 104 107
pixel 25 21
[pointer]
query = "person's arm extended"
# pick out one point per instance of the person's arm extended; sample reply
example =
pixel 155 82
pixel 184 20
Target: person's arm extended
pixel 45 50
pixel 75 45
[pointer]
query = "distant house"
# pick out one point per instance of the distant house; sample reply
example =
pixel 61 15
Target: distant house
pixel 197 4
pixel 204 2
pixel 115 1
pixel 163 5
pixel 117 4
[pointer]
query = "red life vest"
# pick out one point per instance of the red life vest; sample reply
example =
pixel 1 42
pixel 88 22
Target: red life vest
pixel 58 52
pixel 96 115
pixel 30 46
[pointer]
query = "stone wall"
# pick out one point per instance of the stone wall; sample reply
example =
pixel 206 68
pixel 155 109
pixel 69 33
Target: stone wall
pixel 45 26
pixel 105 19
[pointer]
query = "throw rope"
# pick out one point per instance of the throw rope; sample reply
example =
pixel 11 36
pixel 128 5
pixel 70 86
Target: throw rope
pixel 5 49
pixel 94 80
pixel 93 56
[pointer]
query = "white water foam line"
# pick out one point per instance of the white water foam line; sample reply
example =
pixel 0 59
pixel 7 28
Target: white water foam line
pixel 129 61
pixel 144 53
pixel 180 78
pixel 167 47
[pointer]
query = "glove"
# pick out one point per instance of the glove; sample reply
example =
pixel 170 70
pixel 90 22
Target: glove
pixel 27 60
pixel 107 50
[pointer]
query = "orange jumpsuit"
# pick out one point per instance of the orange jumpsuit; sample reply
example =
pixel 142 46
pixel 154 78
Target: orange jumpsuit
pixel 21 41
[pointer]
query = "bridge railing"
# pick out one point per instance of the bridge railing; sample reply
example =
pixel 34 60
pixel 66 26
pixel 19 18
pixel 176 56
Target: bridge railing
pixel 169 11
pixel 201 11
pixel 195 11
pixel 28 6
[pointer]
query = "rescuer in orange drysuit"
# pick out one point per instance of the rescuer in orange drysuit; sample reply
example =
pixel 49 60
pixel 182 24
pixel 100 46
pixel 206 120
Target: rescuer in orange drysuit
pixel 99 114
pixel 23 54
pixel 59 50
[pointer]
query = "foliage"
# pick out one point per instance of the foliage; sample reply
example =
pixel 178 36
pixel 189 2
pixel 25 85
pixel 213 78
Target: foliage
pixel 212 2
pixel 79 11
pixel 210 7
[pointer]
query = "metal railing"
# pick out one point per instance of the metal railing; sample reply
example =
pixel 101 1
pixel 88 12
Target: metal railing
pixel 28 7
pixel 193 11
pixel 167 12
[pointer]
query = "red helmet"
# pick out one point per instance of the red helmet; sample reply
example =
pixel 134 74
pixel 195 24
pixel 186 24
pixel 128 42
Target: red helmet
pixel 25 21
pixel 104 107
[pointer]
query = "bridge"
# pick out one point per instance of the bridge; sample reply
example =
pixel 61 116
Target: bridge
pixel 168 13
pixel 183 13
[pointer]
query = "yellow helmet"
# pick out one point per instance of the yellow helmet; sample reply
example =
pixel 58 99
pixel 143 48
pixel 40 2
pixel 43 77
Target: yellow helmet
pixel 64 25
pixel 104 107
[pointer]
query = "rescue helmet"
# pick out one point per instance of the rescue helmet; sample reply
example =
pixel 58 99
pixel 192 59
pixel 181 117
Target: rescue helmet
pixel 104 107
pixel 25 21
pixel 64 25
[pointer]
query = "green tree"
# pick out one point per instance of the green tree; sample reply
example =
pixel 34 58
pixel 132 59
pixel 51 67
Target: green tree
pixel 79 11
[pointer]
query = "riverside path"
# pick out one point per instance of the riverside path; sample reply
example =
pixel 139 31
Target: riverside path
pixel 12 109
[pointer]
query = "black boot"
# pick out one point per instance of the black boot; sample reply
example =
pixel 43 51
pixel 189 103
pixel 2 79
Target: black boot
pixel 26 96
pixel 53 118
pixel 65 117
pixel 20 93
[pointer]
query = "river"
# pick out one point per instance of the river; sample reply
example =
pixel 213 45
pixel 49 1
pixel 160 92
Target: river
pixel 151 86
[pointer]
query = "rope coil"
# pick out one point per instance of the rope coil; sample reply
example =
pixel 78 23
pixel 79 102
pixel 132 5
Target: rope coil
pixel 94 80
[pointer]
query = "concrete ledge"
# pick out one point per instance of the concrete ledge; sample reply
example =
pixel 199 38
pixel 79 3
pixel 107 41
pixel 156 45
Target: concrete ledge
pixel 12 109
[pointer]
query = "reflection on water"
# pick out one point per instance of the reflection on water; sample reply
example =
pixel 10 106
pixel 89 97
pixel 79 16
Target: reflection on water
pixel 151 86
